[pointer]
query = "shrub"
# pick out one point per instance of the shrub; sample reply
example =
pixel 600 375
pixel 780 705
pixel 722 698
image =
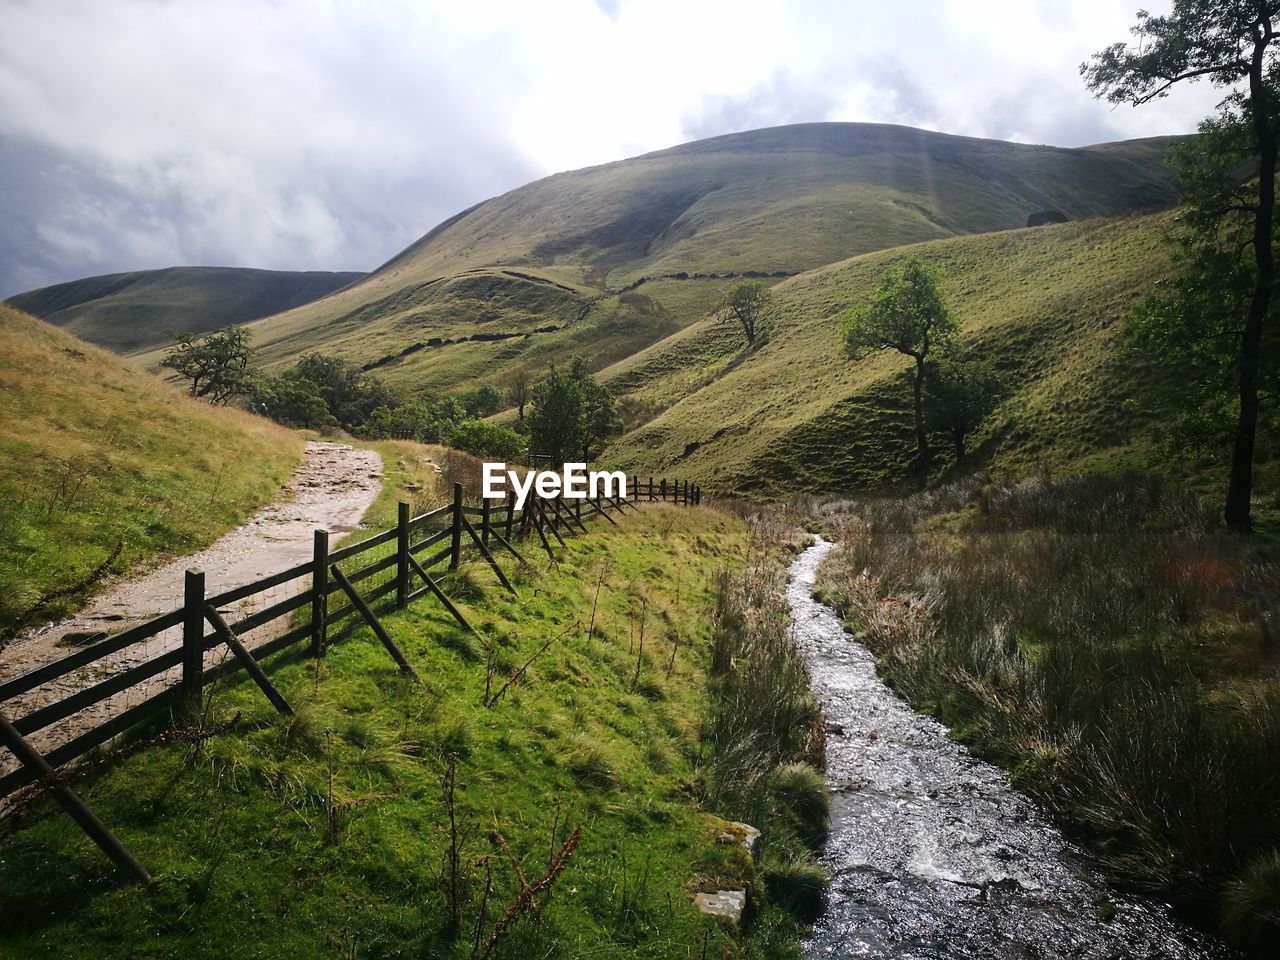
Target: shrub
pixel 799 884
pixel 799 792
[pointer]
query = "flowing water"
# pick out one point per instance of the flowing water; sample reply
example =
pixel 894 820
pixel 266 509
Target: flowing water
pixel 932 853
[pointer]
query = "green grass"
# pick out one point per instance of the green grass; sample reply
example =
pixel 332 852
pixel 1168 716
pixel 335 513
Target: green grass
pixel 1043 305
pixel 95 452
pixel 127 312
pixel 238 839
pixel 1109 644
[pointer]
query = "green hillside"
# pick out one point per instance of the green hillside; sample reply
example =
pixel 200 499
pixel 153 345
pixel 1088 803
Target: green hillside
pixel 126 312
pixel 1042 304
pixel 611 260
pixel 95 452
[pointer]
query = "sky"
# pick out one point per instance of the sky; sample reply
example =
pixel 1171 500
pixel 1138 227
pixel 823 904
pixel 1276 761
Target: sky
pixel 314 135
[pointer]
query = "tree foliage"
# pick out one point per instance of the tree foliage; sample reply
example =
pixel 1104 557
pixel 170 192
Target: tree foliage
pixel 217 364
pixel 1229 239
pixel 963 390
pixel 747 305
pixel 518 392
pixel 555 416
pixel 482 401
pixel 572 414
pixel 905 313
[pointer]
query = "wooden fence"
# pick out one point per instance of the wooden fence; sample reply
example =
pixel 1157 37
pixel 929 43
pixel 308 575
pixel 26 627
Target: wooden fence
pixel 315 604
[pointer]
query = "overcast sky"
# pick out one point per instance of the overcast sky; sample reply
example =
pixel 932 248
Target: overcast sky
pixel 300 134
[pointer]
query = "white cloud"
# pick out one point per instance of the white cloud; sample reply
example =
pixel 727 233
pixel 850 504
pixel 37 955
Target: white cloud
pixel 301 134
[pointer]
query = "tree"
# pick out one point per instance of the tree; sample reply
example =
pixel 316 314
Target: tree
pixel 600 419
pixel 350 394
pixel 487 440
pixel 292 401
pixel 747 304
pixel 217 364
pixel 906 314
pixel 518 392
pixel 1192 328
pixel 555 417
pixel 482 401
pixel 1228 42
pixel 962 393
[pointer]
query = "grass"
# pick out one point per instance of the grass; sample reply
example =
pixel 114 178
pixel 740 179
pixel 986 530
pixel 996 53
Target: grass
pixel 566 252
pixel 1106 642
pixel 95 453
pixel 1040 304
pixel 328 834
pixel 128 312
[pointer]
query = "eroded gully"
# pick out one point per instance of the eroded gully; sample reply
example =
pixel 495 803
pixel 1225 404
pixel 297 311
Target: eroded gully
pixel 932 853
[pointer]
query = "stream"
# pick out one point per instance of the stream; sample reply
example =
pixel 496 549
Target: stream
pixel 932 853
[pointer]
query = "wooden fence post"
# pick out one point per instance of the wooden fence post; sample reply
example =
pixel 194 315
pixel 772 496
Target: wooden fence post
pixel 662 489
pixel 71 802
pixel 319 593
pixel 484 522
pixel 457 527
pixel 193 635
pixel 511 512
pixel 402 554
pixel 651 489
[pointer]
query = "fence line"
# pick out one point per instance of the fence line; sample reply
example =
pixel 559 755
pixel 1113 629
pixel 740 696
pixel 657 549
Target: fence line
pixel 390 563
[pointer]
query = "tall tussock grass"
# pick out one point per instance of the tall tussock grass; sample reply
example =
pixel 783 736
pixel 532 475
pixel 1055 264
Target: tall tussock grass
pixel 1107 641
pixel 764 726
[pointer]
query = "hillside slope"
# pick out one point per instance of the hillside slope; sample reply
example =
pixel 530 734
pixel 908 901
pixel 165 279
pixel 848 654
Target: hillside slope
pixel 1042 304
pixel 94 452
pixel 126 312
pixel 610 260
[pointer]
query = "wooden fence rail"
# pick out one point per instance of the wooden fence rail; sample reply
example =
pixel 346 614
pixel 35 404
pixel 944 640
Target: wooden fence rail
pixel 394 566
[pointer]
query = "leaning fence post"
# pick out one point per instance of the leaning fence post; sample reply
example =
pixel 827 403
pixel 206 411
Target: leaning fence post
pixel 193 635
pixel 319 593
pixel 457 526
pixel 71 802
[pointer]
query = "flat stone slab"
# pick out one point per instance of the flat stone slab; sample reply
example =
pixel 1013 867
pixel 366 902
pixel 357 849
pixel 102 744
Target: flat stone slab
pixel 723 904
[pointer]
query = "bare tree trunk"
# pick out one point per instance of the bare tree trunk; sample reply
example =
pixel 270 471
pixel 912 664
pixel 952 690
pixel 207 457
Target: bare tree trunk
pixel 1240 486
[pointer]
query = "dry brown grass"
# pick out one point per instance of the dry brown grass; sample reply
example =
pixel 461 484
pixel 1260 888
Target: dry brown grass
pixel 93 451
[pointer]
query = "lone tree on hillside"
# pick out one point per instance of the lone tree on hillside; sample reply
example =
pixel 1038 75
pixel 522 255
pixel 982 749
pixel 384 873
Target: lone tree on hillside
pixel 962 393
pixel 747 304
pixel 518 392
pixel 1230 228
pixel 906 314
pixel 216 364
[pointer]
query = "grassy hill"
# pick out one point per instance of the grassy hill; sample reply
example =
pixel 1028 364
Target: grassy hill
pixel 126 312
pixel 611 260
pixel 1042 304
pixel 95 452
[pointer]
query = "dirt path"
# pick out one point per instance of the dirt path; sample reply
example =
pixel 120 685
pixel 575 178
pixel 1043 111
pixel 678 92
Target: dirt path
pixel 331 489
